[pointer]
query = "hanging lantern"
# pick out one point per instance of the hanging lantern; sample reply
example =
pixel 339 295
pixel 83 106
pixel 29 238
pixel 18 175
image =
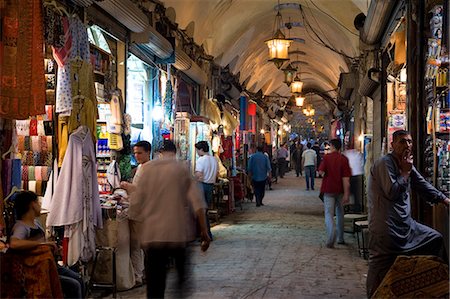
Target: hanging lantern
pixel 297 85
pixel 278 44
pixel 289 73
pixel 299 100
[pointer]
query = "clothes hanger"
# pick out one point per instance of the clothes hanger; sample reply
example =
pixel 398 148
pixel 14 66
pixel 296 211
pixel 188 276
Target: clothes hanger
pixel 14 189
pixel 10 150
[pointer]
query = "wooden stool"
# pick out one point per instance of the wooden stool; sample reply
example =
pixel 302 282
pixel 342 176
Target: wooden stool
pixel 363 227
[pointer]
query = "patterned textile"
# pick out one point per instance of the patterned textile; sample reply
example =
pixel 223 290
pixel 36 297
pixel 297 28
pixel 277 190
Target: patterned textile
pixel 30 274
pixel 415 277
pixel 54 30
pixel 22 80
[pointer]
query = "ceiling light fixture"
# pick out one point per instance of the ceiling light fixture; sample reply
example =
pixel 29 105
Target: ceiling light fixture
pixel 299 100
pixel 289 72
pixel 297 84
pixel 278 44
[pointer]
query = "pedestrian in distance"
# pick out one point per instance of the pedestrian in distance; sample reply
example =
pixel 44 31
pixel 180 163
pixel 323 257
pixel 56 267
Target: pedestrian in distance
pixel 309 162
pixel 297 158
pixel 259 169
pixel 282 154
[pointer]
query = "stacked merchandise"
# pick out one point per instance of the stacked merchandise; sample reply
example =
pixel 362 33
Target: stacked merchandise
pixel 438 100
pixel 35 148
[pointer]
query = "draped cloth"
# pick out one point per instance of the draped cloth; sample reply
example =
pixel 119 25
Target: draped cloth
pixel 22 80
pixel 30 274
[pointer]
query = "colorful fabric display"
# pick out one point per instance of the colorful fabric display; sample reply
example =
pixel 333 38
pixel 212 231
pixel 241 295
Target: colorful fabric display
pixel 37 158
pixel 40 128
pixel 46 172
pixel 32 186
pixel 38 173
pixel 25 185
pixel 16 173
pixel 29 158
pixel 23 127
pixel 25 173
pixel 48 160
pixel 33 127
pixel 49 144
pixel 49 112
pixel 31 173
pixel 43 143
pixel 21 143
pixel 35 144
pixel 27 143
pixel 39 188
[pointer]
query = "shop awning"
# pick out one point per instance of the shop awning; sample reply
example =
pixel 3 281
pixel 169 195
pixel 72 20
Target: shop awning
pixel 152 41
pixel 127 13
pixel 185 64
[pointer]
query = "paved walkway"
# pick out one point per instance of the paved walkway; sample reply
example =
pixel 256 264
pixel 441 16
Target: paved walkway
pixel 275 251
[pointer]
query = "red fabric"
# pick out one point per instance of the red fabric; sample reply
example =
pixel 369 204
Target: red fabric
pixel 61 55
pixel 336 167
pixel 251 109
pixel 22 80
pixel 238 188
pixel 227 145
pixel 30 274
pixel 65 249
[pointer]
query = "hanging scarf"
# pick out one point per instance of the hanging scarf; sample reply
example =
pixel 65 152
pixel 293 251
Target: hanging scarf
pixel 22 80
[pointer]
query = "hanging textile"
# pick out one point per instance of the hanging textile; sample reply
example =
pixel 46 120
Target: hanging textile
pixel 22 80
pixel 76 202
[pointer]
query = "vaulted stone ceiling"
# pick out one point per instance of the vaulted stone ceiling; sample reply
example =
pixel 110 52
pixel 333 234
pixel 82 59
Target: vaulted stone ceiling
pixel 234 31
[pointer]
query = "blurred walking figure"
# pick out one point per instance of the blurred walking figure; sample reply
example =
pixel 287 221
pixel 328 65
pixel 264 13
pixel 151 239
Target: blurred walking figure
pixel 316 148
pixel 206 172
pixel 282 154
pixel 336 189
pixel 297 158
pixel 259 170
pixel 356 162
pixel 163 203
pixel 309 162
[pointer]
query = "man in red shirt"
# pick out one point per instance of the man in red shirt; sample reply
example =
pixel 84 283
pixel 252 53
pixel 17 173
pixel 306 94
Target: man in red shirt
pixel 336 189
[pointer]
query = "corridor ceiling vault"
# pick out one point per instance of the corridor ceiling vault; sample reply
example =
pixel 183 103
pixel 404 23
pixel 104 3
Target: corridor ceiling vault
pixel 234 31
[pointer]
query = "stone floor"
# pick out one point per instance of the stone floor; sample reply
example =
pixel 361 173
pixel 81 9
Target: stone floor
pixel 274 251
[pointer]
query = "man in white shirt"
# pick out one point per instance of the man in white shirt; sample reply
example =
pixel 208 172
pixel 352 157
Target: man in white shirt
pixel 356 162
pixel 141 150
pixel 309 162
pixel 206 171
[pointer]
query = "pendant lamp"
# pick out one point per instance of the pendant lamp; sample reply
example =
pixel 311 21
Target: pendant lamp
pixel 278 44
pixel 297 85
pixel 299 100
pixel 289 73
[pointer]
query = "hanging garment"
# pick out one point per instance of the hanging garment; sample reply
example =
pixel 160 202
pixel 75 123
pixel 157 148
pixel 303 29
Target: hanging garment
pixel 84 101
pixel 22 80
pixel 63 138
pixel 79 50
pixel 74 201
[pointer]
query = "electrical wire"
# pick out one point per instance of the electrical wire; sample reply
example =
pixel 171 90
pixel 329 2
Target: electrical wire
pixel 322 43
pixel 339 23
pixel 318 24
